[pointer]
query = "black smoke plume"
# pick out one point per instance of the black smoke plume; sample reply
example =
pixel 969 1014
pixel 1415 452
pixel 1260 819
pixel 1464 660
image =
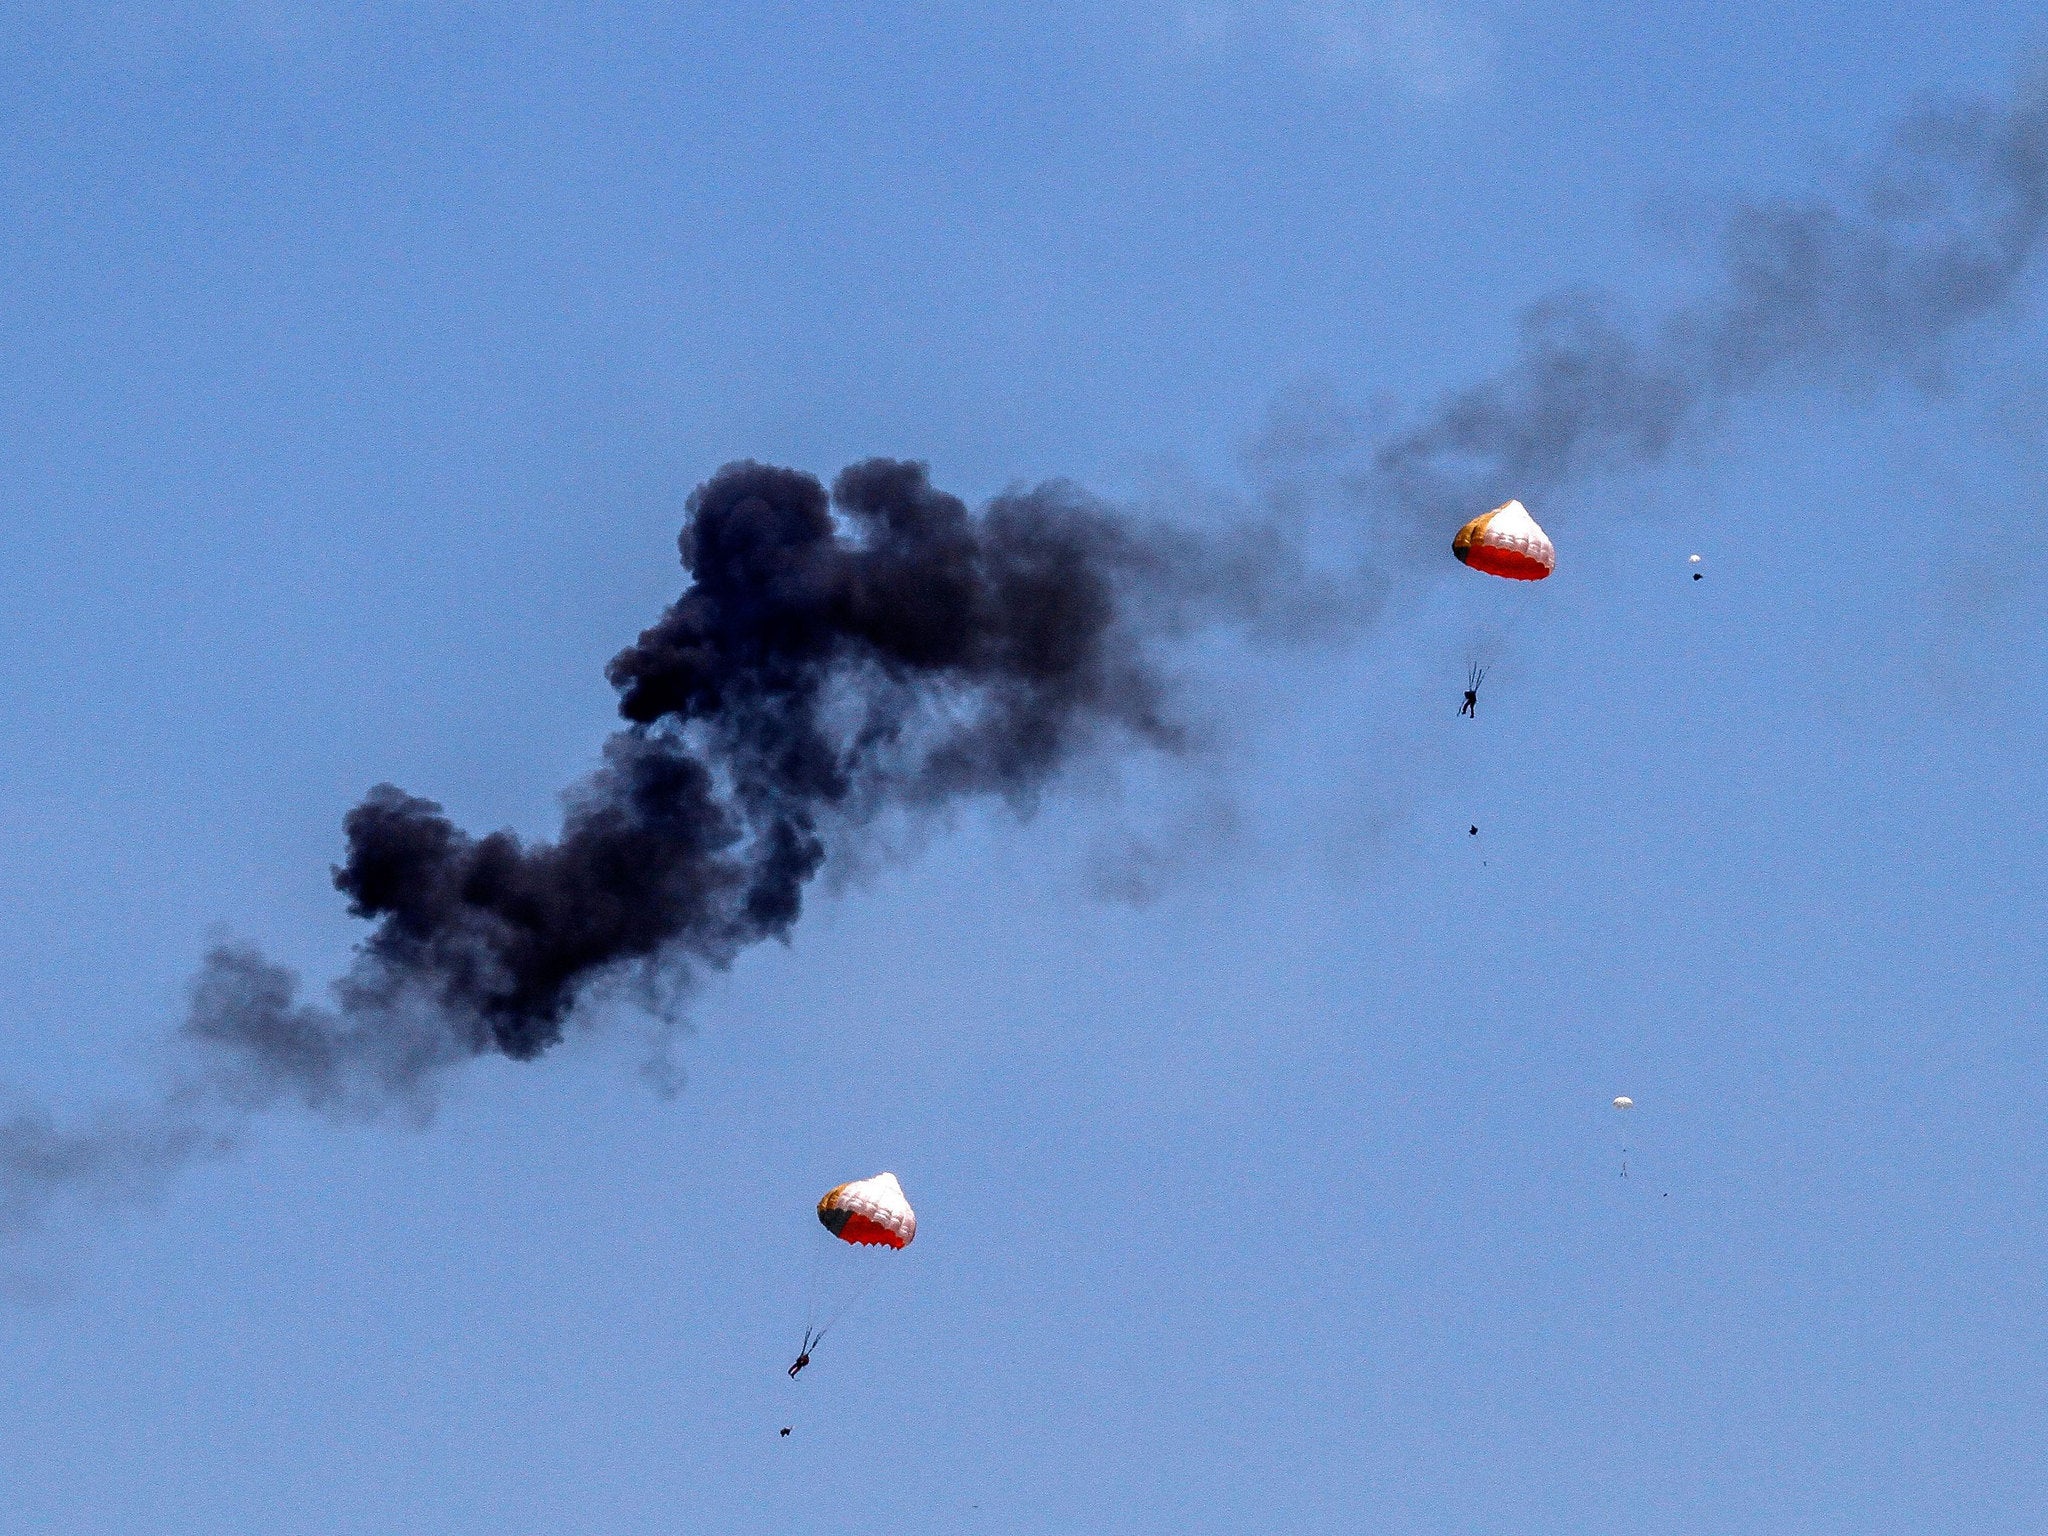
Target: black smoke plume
pixel 1936 233
pixel 837 659
pixel 834 658
pixel 811 676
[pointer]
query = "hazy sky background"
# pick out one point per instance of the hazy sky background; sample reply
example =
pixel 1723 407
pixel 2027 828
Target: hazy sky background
pixel 358 361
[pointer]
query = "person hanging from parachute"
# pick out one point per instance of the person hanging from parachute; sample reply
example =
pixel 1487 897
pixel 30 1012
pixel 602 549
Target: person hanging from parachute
pixel 1474 676
pixel 1505 542
pixel 871 1213
pixel 803 1357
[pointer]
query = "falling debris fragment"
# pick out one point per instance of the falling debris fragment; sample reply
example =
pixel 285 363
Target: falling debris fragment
pixel 785 1431
pixel 1506 542
pixel 1473 831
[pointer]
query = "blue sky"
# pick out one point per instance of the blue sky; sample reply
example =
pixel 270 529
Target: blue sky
pixel 359 361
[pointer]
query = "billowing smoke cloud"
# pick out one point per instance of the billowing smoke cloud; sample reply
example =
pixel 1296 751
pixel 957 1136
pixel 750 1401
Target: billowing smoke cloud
pixel 835 658
pixel 838 659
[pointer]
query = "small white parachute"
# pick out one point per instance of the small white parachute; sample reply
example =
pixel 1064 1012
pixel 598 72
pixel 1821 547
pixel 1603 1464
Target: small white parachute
pixel 1624 1102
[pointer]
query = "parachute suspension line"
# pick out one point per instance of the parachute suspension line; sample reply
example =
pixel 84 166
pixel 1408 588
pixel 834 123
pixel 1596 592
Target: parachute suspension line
pixel 842 1303
pixel 814 1277
pixel 850 1301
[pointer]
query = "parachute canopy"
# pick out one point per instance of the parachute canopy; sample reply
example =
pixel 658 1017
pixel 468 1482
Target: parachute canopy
pixel 869 1211
pixel 1506 542
pixel 1624 1102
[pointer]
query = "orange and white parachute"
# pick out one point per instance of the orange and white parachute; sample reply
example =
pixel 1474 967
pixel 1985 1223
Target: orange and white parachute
pixel 1506 542
pixel 872 1211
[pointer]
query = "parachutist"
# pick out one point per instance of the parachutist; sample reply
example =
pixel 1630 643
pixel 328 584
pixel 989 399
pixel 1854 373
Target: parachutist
pixel 804 1355
pixel 867 1213
pixel 1473 678
pixel 1695 575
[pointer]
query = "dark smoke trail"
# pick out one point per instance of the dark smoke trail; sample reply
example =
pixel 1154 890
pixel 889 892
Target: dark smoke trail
pixel 1939 233
pixel 822 672
pixel 817 673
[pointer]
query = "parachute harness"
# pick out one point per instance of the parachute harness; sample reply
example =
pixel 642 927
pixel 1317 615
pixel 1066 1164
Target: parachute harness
pixel 1474 676
pixel 804 1355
